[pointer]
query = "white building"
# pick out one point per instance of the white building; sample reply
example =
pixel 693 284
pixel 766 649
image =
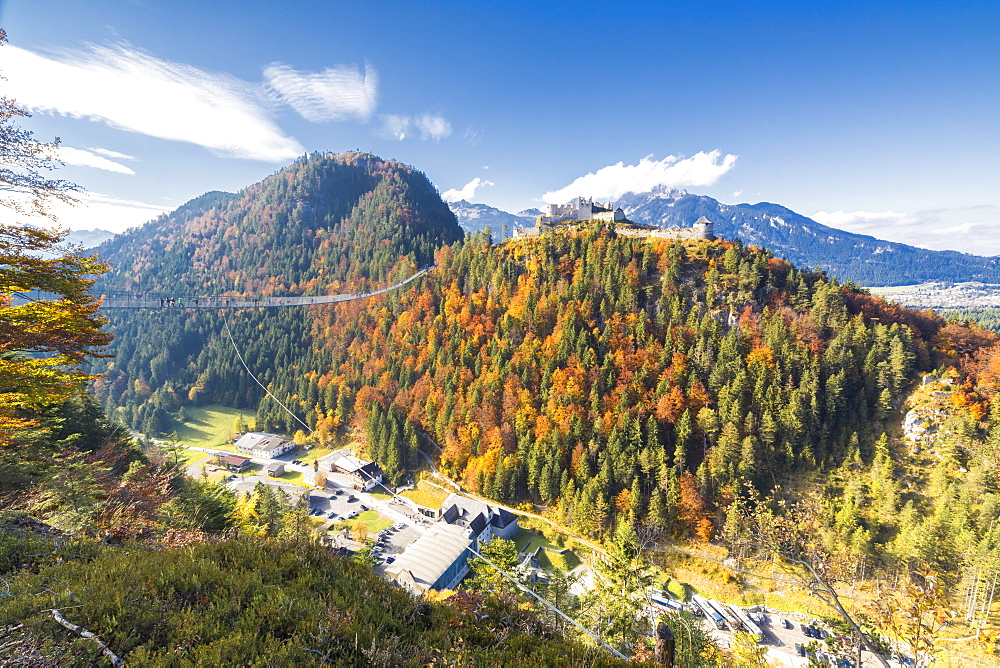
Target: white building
pixel 265 446
pixel 366 474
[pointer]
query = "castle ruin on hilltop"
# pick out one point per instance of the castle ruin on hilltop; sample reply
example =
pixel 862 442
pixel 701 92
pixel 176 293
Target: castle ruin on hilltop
pixel 581 209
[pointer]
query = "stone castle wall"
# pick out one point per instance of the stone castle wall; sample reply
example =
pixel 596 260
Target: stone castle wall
pixel 672 233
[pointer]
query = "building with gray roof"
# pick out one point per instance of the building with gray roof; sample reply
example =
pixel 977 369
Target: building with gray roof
pixel 437 560
pixel 483 520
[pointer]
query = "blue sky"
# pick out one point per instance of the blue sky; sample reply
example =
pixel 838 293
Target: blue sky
pixel 881 118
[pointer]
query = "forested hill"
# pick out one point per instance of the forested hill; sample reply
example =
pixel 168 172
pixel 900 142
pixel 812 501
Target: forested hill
pixel 605 376
pixel 326 224
pixel 324 219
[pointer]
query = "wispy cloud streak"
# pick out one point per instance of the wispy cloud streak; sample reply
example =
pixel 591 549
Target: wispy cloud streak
pixel 132 90
pixel 83 158
pixel 335 94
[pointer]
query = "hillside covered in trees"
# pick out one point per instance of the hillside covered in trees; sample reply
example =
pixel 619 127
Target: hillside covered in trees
pixel 608 380
pixel 607 377
pixel 324 219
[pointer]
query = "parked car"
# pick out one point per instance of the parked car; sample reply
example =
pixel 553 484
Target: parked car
pixel 352 498
pixel 800 650
pixel 331 514
pixel 389 560
pixel 807 630
pixel 363 507
pixel 786 624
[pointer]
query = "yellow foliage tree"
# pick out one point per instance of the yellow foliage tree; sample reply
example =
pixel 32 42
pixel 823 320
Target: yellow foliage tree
pixel 48 318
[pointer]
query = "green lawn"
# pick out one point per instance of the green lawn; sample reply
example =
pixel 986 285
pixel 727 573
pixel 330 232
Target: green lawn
pixel 294 477
pixel 527 541
pixel 377 525
pixel 374 522
pixel 678 589
pixel 315 453
pixel 426 495
pixel 210 426
pixel 185 456
pixel 553 561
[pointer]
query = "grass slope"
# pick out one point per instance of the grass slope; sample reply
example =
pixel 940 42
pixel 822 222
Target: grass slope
pixel 248 603
pixel 209 426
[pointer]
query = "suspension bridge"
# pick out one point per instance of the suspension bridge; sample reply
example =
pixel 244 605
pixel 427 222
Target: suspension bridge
pixel 163 301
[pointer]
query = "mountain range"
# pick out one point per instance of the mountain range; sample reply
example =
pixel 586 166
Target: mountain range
pixel 87 238
pixel 805 242
pixel 475 217
pixel 790 235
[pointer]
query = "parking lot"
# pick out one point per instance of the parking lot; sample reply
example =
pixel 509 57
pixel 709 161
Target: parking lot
pixel 787 641
pixel 245 482
pixel 338 504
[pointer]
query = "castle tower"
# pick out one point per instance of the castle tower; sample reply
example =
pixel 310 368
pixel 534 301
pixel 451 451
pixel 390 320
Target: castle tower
pixel 704 229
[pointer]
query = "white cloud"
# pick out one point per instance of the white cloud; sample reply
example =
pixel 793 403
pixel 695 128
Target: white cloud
pixel 394 127
pixel 82 158
pixel 737 193
pixel 861 222
pixel 335 94
pixel 467 192
pixel 112 154
pixel 397 127
pixel 132 90
pixel 93 211
pixel 613 181
pixel 433 127
pixel 970 229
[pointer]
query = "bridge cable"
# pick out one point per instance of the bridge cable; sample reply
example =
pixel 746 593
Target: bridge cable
pixel 502 572
pixel 243 362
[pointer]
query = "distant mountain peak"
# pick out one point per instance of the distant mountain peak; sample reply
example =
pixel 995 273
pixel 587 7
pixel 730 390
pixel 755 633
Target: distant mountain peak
pixel 475 217
pixel 87 238
pixel 807 243
pixel 665 192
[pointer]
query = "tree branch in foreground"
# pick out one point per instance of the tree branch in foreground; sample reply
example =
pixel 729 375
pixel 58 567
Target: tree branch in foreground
pixel 84 633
